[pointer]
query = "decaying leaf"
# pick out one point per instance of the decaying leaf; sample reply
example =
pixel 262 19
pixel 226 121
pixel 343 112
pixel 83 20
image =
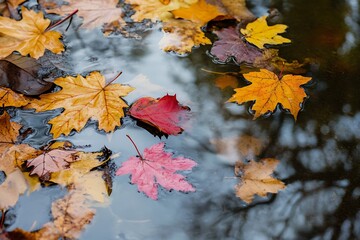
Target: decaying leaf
pixel 9 98
pixel 28 36
pixel 84 99
pixel 256 179
pixel 259 33
pixel 181 36
pixel 94 12
pixel 156 10
pixel 237 9
pixel 200 12
pixel 231 45
pixel 20 74
pixel 51 161
pixel 10 190
pixel 157 167
pixel 267 90
pixel 165 114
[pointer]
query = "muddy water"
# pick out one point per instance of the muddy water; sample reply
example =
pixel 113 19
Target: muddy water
pixel 319 153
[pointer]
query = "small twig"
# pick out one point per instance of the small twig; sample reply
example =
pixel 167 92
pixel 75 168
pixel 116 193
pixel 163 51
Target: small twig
pixel 281 72
pixel 2 220
pixel 219 73
pixel 135 148
pixel 116 77
pixel 61 21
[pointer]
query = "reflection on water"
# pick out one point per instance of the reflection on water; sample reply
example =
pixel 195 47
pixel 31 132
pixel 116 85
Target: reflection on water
pixel 319 154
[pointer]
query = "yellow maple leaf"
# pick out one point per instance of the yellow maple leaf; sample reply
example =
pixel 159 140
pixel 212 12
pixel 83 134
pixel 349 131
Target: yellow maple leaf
pixel 94 12
pixel 9 98
pixel 200 12
pixel 181 36
pixel 256 179
pixel 28 36
pixel 155 9
pixel 259 33
pixel 267 90
pixel 84 98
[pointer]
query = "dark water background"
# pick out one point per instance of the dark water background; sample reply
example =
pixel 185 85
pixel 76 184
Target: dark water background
pixel 319 154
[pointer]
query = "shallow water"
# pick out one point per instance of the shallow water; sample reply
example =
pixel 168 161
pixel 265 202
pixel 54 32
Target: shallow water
pixel 319 153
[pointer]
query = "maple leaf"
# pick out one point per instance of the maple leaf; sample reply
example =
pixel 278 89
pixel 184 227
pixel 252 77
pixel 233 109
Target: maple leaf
pixel 256 179
pixel 52 161
pixel 267 90
pixel 84 98
pixel 165 113
pixel 28 36
pixel 231 45
pixel 259 33
pixel 200 12
pixel 10 190
pixel 181 36
pixel 157 167
pixel 156 10
pixel 94 12
pixel 9 98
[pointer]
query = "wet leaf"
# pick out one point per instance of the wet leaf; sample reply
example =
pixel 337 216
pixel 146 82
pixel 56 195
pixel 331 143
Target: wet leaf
pixel 225 81
pixel 10 190
pixel 84 99
pixel 157 167
pixel 52 161
pixel 94 12
pixel 92 186
pixel 9 98
pixel 256 179
pixel 165 114
pixel 267 90
pixel 200 12
pixel 259 33
pixel 28 36
pixel 155 9
pixel 20 74
pixel 237 9
pixel 231 45
pixel 181 36
pixel 8 7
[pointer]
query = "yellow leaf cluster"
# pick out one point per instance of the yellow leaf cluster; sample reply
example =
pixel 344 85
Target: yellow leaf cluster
pixel 9 98
pixel 83 99
pixel 28 36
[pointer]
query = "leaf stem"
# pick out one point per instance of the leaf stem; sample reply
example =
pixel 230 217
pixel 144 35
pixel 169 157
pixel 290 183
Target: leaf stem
pixel 219 73
pixel 116 77
pixel 281 72
pixel 2 221
pixel 61 21
pixel 135 147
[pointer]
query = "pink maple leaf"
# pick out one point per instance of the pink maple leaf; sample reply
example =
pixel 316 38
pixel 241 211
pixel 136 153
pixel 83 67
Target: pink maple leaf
pixel 157 167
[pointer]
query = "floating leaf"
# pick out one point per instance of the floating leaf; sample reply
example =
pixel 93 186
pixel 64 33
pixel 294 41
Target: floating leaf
pixel 83 99
pixel 256 179
pixel 8 7
pixel 28 36
pixel 10 190
pixel 9 98
pixel 237 9
pixel 267 90
pixel 259 33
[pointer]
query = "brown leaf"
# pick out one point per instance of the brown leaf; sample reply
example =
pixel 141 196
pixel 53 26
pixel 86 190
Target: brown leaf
pixel 10 190
pixel 237 9
pixel 256 179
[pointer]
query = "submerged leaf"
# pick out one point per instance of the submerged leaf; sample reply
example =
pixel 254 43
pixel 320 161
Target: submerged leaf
pixel 10 190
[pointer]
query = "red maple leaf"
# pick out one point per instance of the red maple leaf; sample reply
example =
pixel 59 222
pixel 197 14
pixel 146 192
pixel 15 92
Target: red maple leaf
pixel 165 114
pixel 157 167
pixel 52 161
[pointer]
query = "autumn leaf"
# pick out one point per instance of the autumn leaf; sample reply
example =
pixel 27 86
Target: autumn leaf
pixel 237 9
pixel 10 190
pixel 259 33
pixel 225 81
pixel 200 12
pixel 230 45
pixel 94 12
pixel 8 7
pixel 52 161
pixel 84 99
pixel 155 9
pixel 181 36
pixel 9 98
pixel 256 179
pixel 267 90
pixel 28 36
pixel 165 114
pixel 157 167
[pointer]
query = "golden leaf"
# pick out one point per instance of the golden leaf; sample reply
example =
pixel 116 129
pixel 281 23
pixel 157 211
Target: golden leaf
pixel 94 12
pixel 9 98
pixel 92 186
pixel 155 9
pixel 256 179
pixel 267 90
pixel 10 190
pixel 84 98
pixel 259 33
pixel 8 6
pixel 28 36
pixel 181 36
pixel 200 12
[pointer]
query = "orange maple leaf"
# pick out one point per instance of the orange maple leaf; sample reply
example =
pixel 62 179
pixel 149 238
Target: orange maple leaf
pixel 267 90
